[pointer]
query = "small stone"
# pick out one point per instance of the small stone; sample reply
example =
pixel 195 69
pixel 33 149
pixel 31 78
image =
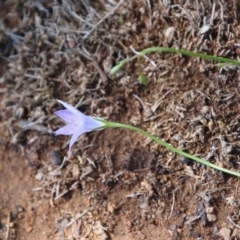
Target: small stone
pixel 209 210
pixel 211 217
pixel 236 233
pixel 11 224
pixel 169 34
pixel 107 64
pixel 205 109
pixel 225 233
pixel 211 125
pixel 204 29
pixel 111 207
pixel 39 176
pixel 75 171
pixel 29 229
pixel 187 161
pixel 56 158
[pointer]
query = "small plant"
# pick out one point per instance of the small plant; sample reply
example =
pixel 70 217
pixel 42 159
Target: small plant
pixel 78 123
pixel 143 79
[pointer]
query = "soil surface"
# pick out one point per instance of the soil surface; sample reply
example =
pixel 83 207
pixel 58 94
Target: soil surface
pixel 117 184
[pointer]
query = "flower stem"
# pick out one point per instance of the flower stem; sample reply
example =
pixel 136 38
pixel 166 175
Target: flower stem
pixel 172 50
pixel 170 147
pixel 191 54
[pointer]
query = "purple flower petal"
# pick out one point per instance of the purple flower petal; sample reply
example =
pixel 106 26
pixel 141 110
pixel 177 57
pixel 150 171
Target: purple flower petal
pixel 91 123
pixel 78 123
pixel 68 116
pixel 66 130
pixel 72 109
pixel 75 136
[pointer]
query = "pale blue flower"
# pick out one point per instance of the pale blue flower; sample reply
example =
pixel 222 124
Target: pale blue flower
pixel 77 123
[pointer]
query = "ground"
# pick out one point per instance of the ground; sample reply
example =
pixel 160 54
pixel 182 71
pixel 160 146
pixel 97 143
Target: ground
pixel 117 184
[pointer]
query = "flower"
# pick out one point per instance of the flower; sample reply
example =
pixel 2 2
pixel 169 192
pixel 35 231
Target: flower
pixel 77 123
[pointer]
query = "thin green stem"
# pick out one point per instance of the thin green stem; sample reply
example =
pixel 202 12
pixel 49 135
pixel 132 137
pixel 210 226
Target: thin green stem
pixel 172 50
pixel 173 149
pixel 191 54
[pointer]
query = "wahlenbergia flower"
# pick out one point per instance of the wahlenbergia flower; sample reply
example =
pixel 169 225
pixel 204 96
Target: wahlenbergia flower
pixel 77 122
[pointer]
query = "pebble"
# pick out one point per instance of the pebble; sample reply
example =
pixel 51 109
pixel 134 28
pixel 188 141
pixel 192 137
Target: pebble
pixel 225 233
pixel 211 217
pixel 39 176
pixel 209 210
pixel 56 158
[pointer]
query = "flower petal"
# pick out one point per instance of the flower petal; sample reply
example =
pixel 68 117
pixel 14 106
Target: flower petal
pixel 92 124
pixel 66 130
pixel 72 109
pixel 78 123
pixel 69 117
pixel 75 136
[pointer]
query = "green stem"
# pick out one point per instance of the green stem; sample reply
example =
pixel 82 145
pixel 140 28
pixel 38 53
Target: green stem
pixel 173 149
pixel 172 50
pixel 191 54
